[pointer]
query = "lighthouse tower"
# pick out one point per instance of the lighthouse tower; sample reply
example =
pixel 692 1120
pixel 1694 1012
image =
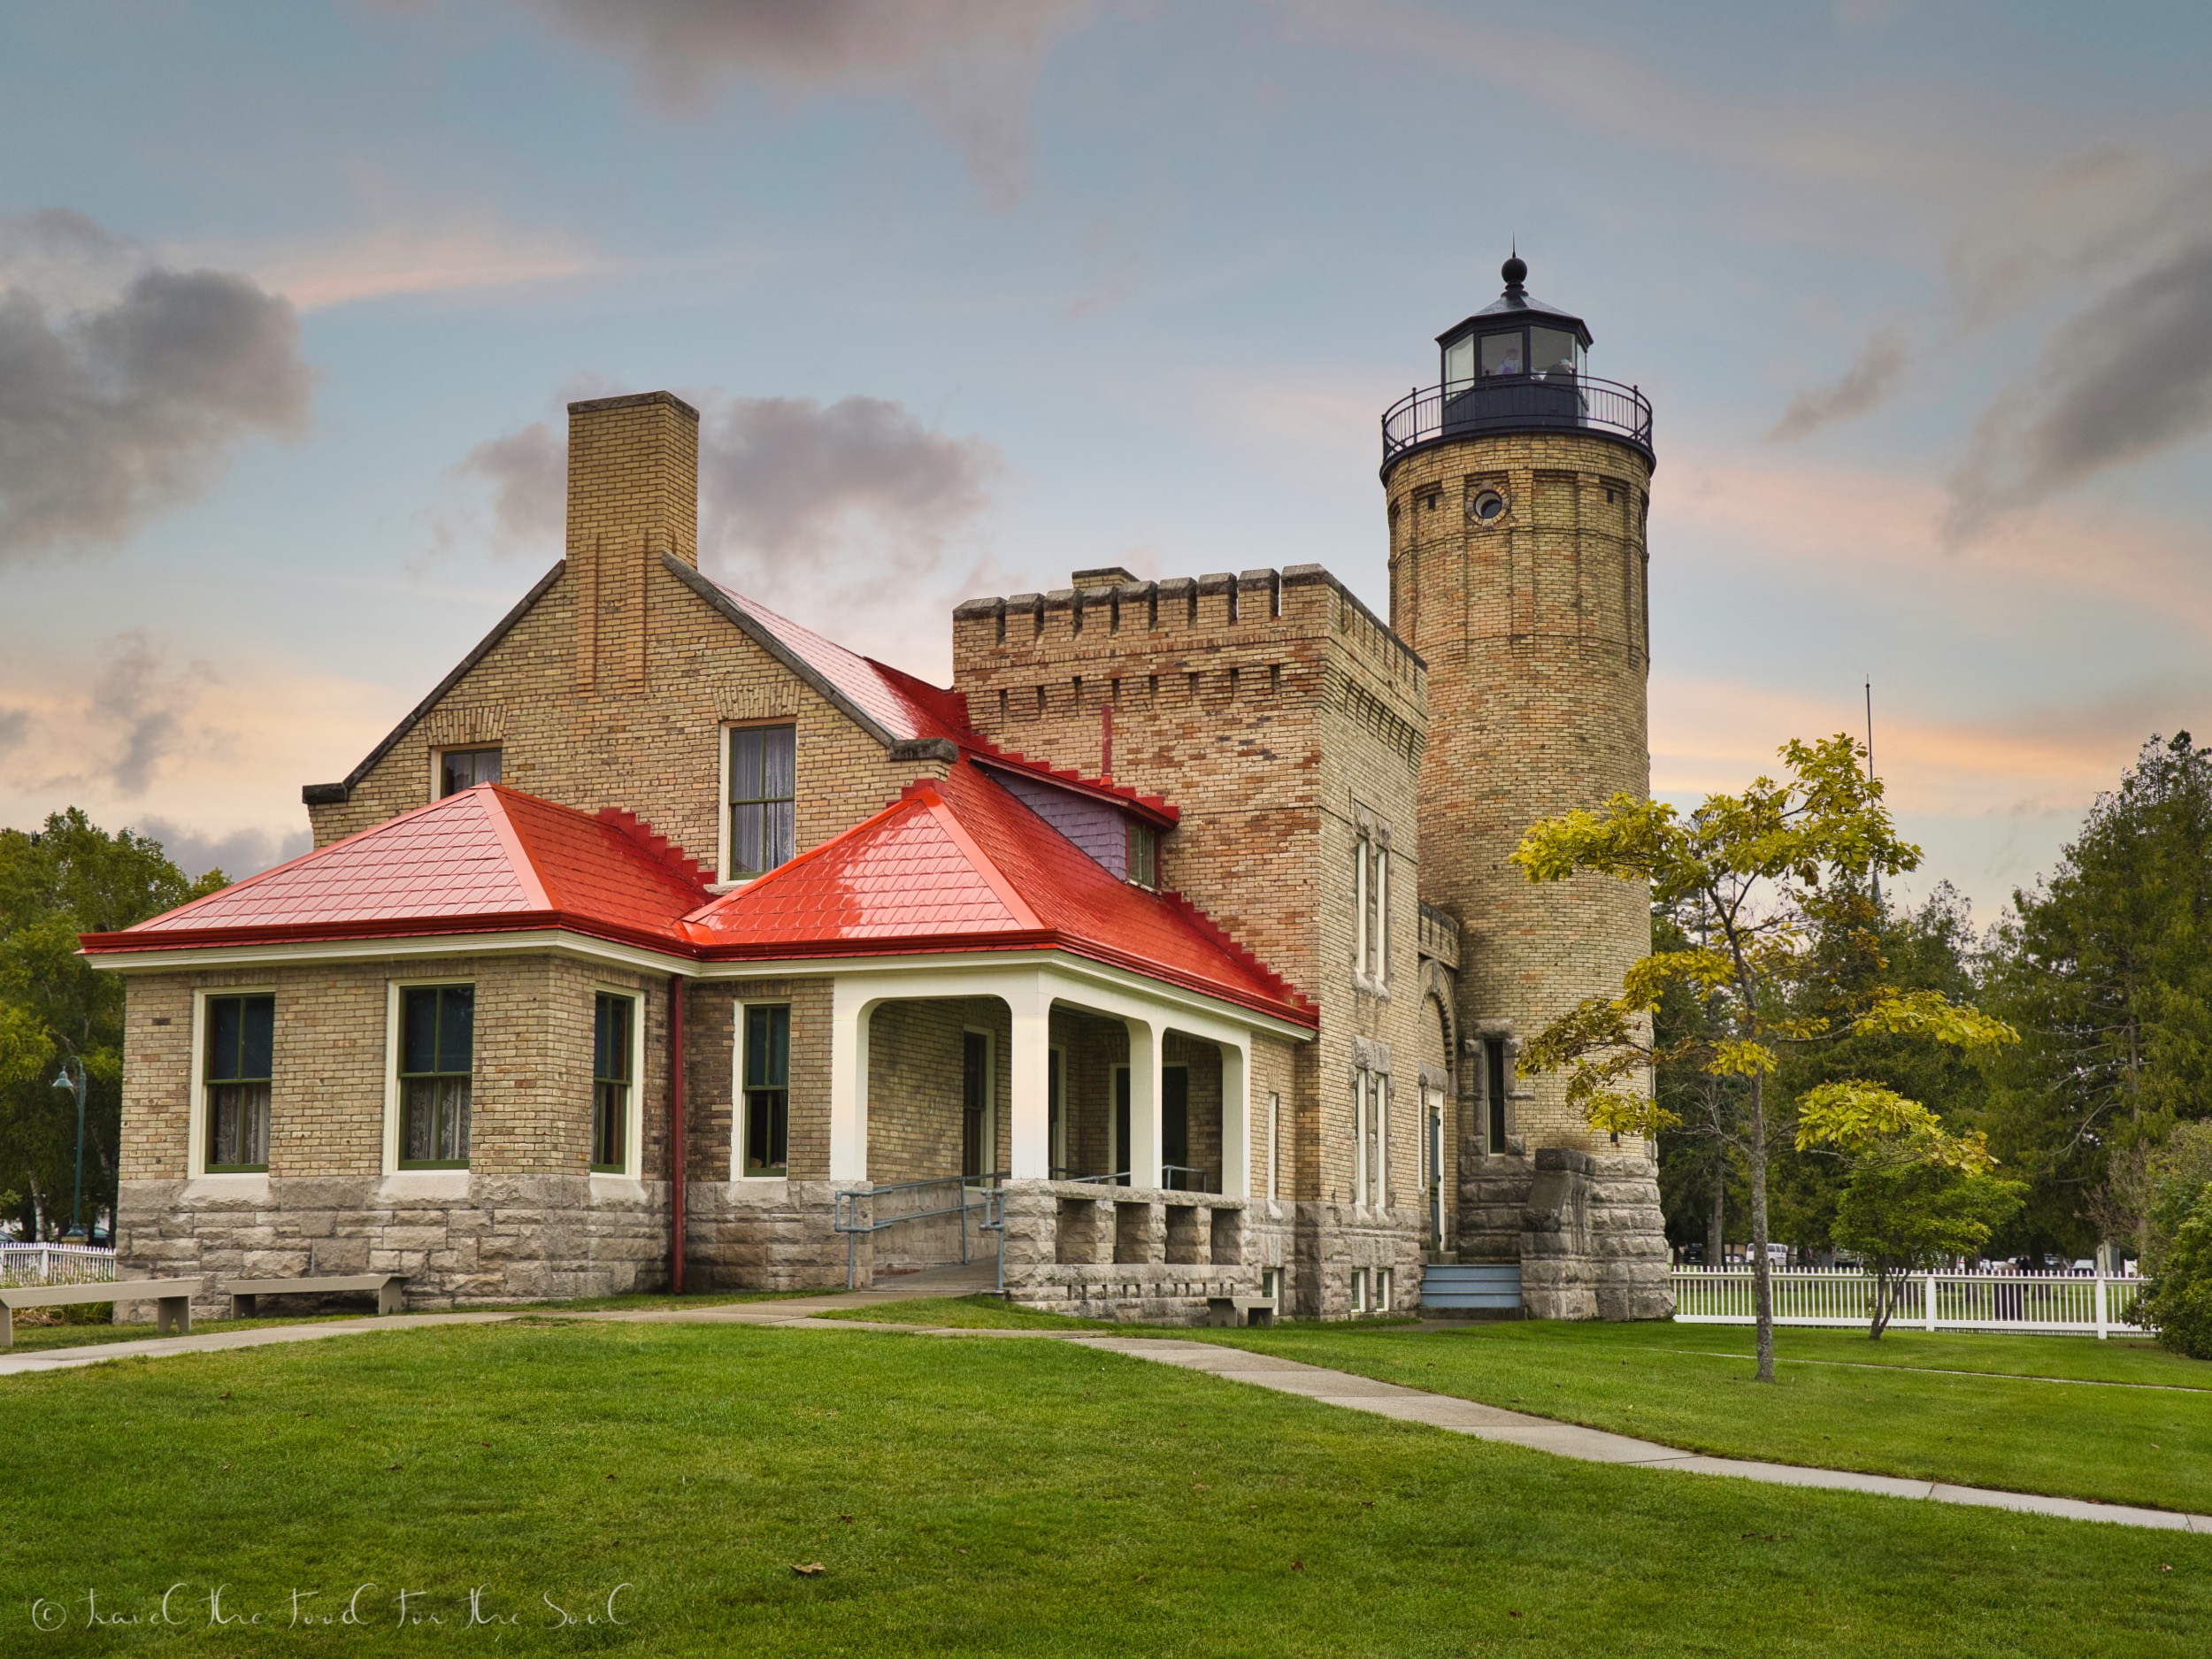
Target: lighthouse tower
pixel 1517 488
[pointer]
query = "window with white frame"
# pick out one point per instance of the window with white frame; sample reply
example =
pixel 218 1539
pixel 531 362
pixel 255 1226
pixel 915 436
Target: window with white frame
pixel 613 1081
pixel 1274 1146
pixel 238 1051
pixel 762 803
pixel 1370 1136
pixel 1370 903
pixel 765 1067
pixel 1382 1290
pixel 1359 1290
pixel 437 1069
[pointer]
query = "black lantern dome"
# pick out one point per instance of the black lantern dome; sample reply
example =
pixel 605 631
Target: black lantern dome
pixel 1515 365
pixel 1515 335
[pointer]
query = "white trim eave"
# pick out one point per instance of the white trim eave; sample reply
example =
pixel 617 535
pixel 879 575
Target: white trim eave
pixel 541 940
pixel 982 964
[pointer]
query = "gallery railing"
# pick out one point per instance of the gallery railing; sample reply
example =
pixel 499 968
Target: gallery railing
pixel 1516 402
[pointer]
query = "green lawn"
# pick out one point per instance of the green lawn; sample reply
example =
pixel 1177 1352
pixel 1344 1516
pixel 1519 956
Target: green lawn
pixel 1839 1401
pixel 969 1497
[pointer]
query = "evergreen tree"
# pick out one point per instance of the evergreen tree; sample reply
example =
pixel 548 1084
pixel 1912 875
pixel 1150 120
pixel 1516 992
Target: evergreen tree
pixel 2105 968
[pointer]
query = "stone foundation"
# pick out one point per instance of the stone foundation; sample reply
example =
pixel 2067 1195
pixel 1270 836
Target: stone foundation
pixel 1593 1242
pixel 490 1239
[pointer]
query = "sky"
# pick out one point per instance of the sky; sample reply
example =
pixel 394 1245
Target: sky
pixel 976 293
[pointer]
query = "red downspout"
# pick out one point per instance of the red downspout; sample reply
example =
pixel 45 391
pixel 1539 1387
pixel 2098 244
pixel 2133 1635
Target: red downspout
pixel 678 1151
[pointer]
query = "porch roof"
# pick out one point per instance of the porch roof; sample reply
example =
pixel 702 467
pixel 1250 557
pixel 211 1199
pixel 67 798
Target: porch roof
pixel 961 865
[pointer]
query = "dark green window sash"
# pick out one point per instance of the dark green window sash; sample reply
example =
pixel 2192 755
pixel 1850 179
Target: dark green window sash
pixel 240 1040
pixel 614 1019
pixel 437 1072
pixel 767 1146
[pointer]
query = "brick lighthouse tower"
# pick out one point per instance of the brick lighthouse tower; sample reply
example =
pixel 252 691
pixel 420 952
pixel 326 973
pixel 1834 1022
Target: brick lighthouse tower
pixel 1517 489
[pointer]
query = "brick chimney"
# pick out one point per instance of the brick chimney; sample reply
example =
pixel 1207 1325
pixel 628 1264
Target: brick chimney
pixel 633 496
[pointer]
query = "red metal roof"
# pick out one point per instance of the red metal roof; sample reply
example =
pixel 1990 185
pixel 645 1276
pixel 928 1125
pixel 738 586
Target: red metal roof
pixel 904 706
pixel 913 708
pixel 961 864
pixel 486 859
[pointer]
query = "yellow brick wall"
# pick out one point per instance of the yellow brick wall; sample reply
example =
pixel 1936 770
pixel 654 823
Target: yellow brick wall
pixel 1535 629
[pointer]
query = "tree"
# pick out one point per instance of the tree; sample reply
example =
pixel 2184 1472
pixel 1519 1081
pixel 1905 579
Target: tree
pixel 2177 1302
pixel 2106 970
pixel 1765 873
pixel 1917 1194
pixel 69 878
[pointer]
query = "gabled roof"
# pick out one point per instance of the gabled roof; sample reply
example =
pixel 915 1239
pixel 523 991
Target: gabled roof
pixel 959 866
pixel 489 859
pixel 891 706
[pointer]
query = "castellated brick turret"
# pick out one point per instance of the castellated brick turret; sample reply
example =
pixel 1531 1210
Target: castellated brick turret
pixel 1517 491
pixel 1287 722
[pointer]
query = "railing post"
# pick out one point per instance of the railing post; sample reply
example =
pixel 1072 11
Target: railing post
pixel 1929 1287
pixel 2100 1302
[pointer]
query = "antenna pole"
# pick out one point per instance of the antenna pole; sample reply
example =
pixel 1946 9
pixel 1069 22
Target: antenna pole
pixel 1875 874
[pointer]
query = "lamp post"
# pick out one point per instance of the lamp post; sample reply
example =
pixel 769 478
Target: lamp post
pixel 72 1078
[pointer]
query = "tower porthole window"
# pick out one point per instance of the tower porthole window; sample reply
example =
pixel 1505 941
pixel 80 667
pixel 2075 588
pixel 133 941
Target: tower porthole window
pixel 1486 506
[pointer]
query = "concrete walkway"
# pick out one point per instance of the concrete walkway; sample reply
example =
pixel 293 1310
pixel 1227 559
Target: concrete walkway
pixel 1262 1371
pixel 1595 1446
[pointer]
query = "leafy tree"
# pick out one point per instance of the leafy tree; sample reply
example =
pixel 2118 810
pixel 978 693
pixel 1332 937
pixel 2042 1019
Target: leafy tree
pixel 2106 970
pixel 68 877
pixel 1917 1192
pixel 1766 872
pixel 2175 1176
pixel 2177 1302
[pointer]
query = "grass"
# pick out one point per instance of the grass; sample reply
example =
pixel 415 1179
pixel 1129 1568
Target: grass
pixel 1839 1401
pixel 967 1313
pixel 93 1324
pixel 974 1498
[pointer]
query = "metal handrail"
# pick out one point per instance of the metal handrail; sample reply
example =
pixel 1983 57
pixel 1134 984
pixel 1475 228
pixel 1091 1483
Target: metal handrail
pixel 1516 403
pixel 846 1218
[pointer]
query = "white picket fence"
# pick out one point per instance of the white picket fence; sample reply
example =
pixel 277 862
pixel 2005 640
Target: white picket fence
pixel 2075 1303
pixel 55 1264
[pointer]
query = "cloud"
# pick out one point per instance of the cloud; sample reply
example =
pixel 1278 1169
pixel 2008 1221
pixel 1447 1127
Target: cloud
pixel 788 479
pixel 1867 382
pixel 15 729
pixel 237 852
pixel 469 253
pixel 528 473
pixel 2127 377
pixel 115 411
pixel 136 696
pixel 969 64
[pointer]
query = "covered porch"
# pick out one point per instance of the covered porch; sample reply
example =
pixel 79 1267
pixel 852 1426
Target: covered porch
pixel 1091 1130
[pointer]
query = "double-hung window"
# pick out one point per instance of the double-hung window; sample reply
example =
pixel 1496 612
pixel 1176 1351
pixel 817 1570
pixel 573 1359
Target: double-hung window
pixel 767 1088
pixel 1143 852
pixel 975 1102
pixel 614 1029
pixel 437 1067
pixel 241 1042
pixel 764 790
pixel 1370 1136
pixel 1371 901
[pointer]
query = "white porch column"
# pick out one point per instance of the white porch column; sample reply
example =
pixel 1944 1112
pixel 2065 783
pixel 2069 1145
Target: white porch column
pixel 1142 1157
pixel 1030 1056
pixel 1236 1120
pixel 850 1010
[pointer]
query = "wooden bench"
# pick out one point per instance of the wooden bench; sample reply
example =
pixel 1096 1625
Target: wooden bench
pixel 172 1299
pixel 245 1294
pixel 1225 1311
